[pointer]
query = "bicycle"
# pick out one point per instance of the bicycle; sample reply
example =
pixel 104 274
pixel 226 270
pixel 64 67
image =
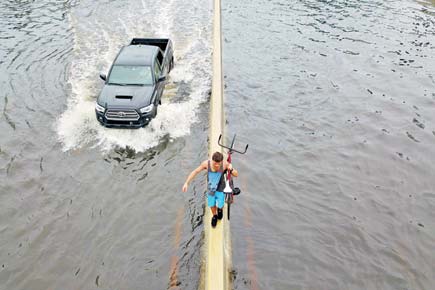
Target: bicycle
pixel 230 190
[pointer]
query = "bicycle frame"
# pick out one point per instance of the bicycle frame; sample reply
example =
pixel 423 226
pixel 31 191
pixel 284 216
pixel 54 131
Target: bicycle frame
pixel 229 196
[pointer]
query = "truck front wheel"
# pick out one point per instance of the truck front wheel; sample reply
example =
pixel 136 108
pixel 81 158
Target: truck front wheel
pixel 155 112
pixel 171 64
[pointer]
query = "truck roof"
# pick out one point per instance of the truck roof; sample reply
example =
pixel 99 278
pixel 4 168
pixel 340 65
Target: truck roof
pixel 136 55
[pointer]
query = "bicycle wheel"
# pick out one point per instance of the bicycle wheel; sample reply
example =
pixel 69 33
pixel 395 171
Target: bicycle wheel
pixel 228 211
pixel 229 201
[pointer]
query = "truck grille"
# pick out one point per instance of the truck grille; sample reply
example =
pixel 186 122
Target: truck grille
pixel 122 115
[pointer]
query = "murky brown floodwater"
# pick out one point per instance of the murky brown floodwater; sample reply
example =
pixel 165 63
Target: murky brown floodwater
pixel 335 98
pixel 83 207
pixel 337 101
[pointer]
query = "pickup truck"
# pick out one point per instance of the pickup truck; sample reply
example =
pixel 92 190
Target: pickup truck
pixel 134 86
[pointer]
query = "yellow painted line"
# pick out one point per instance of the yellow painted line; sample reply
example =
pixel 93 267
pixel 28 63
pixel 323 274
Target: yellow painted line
pixel 250 249
pixel 217 241
pixel 250 256
pixel 173 277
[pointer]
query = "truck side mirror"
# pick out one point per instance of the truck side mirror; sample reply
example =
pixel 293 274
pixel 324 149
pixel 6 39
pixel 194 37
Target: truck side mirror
pixel 162 79
pixel 103 76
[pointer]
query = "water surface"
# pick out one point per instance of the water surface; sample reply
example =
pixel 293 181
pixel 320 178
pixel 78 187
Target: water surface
pixel 336 99
pixel 84 207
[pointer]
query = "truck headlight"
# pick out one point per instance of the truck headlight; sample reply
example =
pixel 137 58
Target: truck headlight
pixel 147 109
pixel 99 108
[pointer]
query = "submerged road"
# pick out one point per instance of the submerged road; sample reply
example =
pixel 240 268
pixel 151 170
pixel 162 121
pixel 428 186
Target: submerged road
pixel 338 105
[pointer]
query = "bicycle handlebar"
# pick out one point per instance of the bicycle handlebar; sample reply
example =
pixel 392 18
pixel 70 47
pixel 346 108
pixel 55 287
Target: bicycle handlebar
pixel 231 149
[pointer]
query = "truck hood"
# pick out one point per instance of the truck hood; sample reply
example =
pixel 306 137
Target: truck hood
pixel 131 97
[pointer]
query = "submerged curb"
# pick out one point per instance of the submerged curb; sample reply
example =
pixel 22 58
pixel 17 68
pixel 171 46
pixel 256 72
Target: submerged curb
pixel 217 241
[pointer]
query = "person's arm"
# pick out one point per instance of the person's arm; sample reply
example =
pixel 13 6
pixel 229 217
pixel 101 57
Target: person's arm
pixel 193 174
pixel 233 171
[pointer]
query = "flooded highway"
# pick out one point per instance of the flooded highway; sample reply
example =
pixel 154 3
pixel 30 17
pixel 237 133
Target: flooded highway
pixel 335 98
pixel 337 102
pixel 83 206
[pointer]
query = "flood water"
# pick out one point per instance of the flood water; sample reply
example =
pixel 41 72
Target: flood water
pixel 335 98
pixel 337 101
pixel 84 207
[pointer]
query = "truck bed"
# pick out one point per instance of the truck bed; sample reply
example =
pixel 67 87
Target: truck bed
pixel 160 42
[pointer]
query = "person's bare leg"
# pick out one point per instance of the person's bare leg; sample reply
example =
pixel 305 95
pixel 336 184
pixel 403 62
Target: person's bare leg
pixel 213 210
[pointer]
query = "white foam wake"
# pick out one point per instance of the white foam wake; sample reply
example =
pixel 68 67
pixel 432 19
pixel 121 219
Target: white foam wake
pixel 98 37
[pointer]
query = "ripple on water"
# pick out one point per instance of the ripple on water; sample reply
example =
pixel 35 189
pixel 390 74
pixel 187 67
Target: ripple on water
pixel 339 137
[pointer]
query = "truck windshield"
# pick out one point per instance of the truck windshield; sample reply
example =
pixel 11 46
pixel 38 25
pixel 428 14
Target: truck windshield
pixel 131 75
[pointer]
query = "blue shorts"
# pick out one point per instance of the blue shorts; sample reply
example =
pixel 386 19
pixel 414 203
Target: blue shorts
pixel 218 197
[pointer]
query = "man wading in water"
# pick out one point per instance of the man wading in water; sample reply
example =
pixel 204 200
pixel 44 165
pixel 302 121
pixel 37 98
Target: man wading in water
pixel 216 183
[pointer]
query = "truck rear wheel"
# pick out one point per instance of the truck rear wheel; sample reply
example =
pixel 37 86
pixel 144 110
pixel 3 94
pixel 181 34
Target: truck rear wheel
pixel 171 64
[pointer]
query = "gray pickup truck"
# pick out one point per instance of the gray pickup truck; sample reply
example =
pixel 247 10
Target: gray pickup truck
pixel 135 83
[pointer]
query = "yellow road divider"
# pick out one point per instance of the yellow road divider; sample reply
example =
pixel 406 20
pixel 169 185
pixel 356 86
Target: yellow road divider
pixel 217 249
